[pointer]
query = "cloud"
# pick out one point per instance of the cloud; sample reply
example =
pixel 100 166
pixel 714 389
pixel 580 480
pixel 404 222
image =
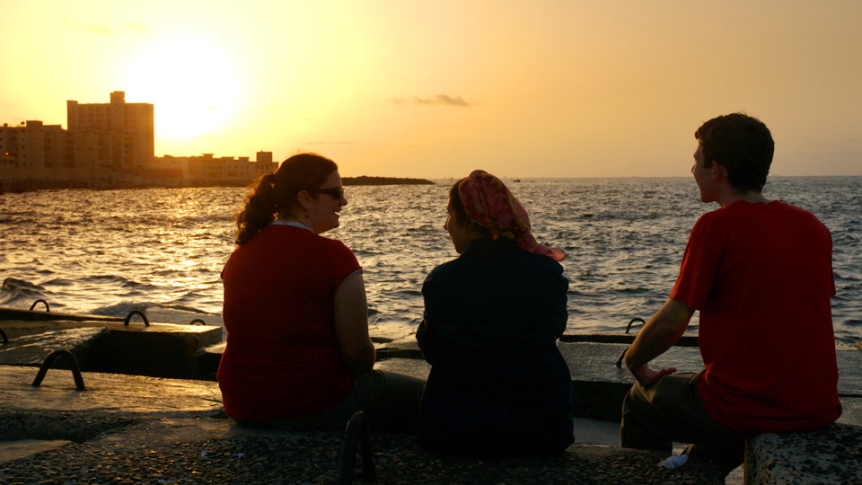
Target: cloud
pixel 438 100
pixel 139 27
pixel 101 29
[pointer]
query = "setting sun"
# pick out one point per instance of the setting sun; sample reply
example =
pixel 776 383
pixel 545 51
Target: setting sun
pixel 192 81
pixel 419 89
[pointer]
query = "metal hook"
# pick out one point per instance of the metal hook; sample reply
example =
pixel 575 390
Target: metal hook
pixel 132 313
pixel 47 308
pixel 619 363
pixel 357 432
pixel 197 321
pixel 633 320
pixel 76 371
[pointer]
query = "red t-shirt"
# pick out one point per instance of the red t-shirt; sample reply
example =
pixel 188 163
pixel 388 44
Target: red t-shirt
pixel 761 276
pixel 282 358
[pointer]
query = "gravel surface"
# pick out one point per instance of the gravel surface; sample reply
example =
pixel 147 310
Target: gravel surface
pixel 128 449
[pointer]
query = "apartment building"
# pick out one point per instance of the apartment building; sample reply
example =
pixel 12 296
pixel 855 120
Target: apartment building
pixel 115 135
pixel 32 145
pixel 209 169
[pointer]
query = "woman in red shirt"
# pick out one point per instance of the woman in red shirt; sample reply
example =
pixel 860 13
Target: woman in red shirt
pixel 298 352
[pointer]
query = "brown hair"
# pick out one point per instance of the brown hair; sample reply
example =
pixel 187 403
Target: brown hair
pixel 740 143
pixel 275 193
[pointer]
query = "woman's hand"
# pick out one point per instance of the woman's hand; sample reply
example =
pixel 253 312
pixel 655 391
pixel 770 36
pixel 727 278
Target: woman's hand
pixel 351 324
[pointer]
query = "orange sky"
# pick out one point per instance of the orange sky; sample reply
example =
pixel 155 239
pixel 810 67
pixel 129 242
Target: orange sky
pixel 438 88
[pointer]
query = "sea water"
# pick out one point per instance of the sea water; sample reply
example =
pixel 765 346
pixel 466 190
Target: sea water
pixel 161 250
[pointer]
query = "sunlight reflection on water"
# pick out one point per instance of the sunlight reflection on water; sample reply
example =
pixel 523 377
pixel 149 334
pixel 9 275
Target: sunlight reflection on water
pixel 112 251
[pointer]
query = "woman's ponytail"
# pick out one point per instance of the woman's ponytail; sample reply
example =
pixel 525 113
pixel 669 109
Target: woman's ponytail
pixel 259 211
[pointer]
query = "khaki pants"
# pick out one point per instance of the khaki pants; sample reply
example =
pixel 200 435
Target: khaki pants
pixel 671 410
pixel 390 400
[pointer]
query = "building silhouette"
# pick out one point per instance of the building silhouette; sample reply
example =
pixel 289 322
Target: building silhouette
pixel 115 135
pixel 109 145
pixel 207 169
pixel 32 146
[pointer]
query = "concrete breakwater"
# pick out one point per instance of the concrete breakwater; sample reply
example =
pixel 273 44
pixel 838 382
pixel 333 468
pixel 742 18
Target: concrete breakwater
pixel 193 351
pixel 131 428
pixel 152 413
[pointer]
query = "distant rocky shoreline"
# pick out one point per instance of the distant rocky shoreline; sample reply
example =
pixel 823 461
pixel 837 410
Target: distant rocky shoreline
pixel 29 185
pixel 366 180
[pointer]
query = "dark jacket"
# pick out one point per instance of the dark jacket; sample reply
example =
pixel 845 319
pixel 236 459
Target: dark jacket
pixel 498 384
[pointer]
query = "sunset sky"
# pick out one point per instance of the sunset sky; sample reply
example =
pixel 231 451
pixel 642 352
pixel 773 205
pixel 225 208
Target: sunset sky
pixel 434 89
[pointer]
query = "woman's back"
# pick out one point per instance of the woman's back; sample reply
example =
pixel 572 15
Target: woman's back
pixel 498 384
pixel 282 358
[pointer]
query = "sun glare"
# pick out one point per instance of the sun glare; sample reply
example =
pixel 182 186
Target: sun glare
pixel 192 82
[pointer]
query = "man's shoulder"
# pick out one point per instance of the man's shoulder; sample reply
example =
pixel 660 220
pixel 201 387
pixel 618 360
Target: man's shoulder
pixel 773 209
pixel 792 209
pixel 797 215
pixel 743 216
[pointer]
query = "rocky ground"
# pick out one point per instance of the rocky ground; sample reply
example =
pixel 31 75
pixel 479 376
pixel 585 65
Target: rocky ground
pixel 94 447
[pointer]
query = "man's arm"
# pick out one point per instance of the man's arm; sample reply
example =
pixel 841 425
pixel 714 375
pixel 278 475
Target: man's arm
pixel 660 333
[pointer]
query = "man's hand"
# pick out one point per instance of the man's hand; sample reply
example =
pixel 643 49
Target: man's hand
pixel 661 331
pixel 646 376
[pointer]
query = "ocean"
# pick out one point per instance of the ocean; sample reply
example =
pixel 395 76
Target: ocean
pixel 161 250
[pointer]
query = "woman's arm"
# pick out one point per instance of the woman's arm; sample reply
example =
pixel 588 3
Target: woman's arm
pixel 351 324
pixel 425 338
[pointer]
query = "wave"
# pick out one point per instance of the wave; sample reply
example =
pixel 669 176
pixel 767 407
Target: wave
pixel 183 308
pixel 120 309
pixel 852 322
pixel 124 308
pixel 623 215
pixel 161 251
pixel 19 291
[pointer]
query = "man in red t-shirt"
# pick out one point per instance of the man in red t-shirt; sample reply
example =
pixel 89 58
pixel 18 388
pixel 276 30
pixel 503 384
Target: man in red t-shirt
pixel 760 273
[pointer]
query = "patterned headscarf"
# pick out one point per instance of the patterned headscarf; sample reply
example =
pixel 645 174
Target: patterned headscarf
pixel 489 203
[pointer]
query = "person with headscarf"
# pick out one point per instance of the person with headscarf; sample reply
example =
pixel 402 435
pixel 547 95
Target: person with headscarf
pixel 498 385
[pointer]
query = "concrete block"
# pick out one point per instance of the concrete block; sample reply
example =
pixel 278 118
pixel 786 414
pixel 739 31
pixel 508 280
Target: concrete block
pixel 160 350
pixel 37 315
pixel 411 367
pixel 33 345
pixel 157 350
pixel 207 360
pixel 105 392
pixel 829 455
pixel 851 410
pixel 599 386
pixel 849 377
pixel 406 348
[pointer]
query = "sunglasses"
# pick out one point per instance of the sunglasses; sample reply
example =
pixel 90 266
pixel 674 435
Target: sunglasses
pixel 336 193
